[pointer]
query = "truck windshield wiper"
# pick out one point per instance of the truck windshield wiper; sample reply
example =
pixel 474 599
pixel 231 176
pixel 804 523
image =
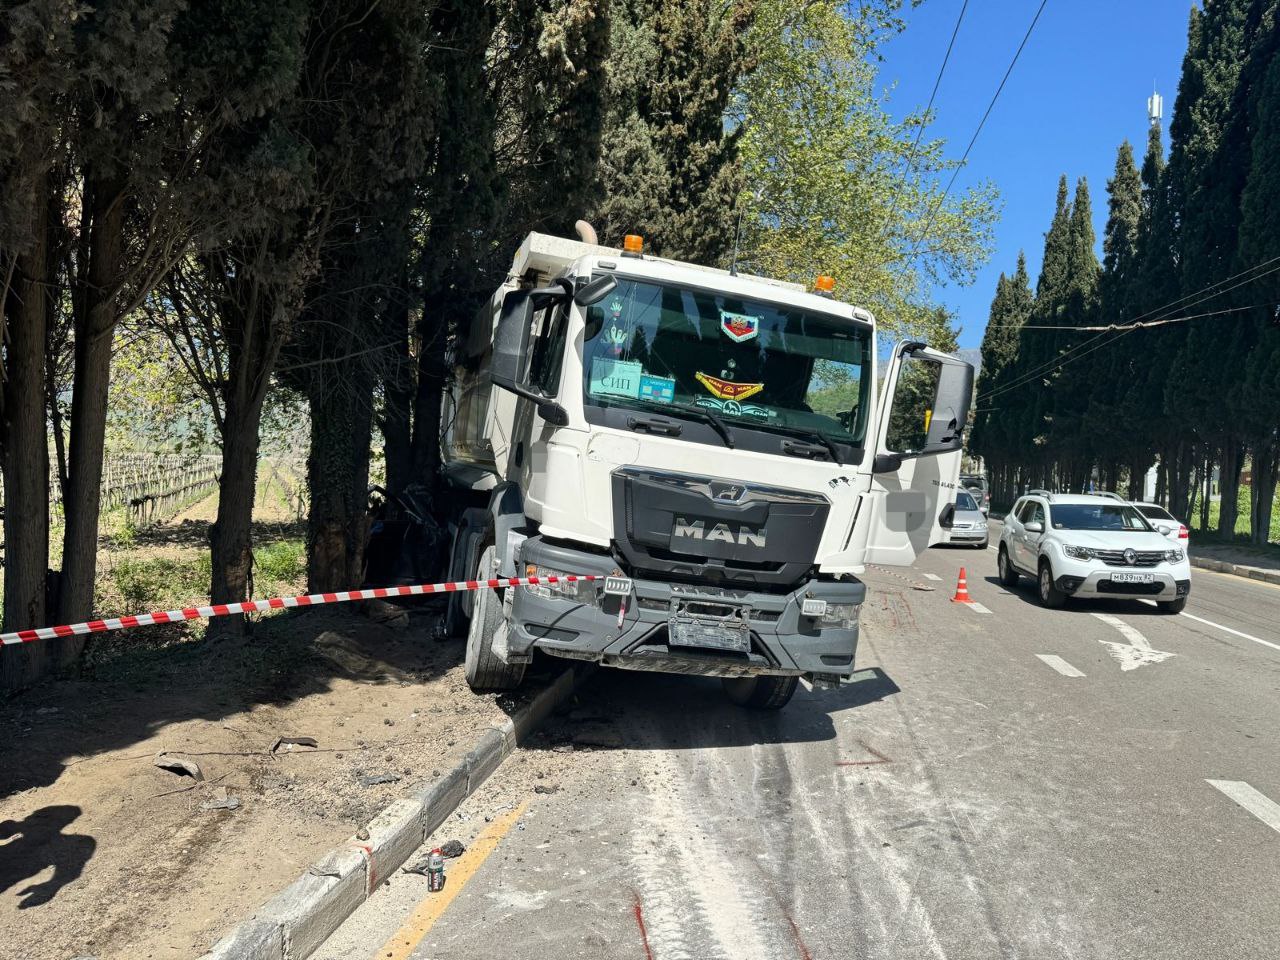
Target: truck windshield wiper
pixel 709 418
pixel 816 436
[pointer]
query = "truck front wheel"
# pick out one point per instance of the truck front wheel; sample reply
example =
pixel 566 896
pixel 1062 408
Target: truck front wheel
pixel 760 693
pixel 485 670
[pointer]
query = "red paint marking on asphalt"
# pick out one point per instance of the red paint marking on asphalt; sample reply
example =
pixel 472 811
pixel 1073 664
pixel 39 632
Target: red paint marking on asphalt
pixel 795 935
pixel 638 909
pixel 880 758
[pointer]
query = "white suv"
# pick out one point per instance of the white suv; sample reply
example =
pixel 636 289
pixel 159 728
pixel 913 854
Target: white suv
pixel 1091 546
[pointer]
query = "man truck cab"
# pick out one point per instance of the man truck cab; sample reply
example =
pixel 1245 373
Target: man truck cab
pixel 724 450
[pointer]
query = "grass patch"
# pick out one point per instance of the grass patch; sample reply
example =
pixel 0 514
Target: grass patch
pixel 1242 519
pixel 282 562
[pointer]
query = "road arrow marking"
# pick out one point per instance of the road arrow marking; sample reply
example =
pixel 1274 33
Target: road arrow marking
pixel 1259 804
pixel 1136 652
pixel 1064 668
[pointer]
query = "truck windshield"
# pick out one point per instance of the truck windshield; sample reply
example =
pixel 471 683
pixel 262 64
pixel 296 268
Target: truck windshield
pixel 750 362
pixel 1104 516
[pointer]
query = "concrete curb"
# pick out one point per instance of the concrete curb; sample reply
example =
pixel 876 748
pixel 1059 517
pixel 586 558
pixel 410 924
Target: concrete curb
pixel 1237 570
pixel 298 919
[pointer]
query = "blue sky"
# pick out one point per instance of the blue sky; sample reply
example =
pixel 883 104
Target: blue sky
pixel 1080 87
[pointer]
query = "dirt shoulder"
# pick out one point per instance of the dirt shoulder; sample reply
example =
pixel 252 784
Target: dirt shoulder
pixel 104 854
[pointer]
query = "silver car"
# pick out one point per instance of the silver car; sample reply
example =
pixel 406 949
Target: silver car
pixel 969 524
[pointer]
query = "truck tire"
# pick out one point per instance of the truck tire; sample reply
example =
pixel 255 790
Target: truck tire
pixel 760 693
pixel 485 671
pixel 1050 595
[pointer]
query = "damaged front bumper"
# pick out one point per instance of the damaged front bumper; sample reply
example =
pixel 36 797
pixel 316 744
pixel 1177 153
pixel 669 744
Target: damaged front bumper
pixel 698 629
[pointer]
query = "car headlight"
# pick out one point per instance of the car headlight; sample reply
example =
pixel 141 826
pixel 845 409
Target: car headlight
pixel 1174 556
pixel 582 591
pixel 980 525
pixel 840 616
pixel 1077 553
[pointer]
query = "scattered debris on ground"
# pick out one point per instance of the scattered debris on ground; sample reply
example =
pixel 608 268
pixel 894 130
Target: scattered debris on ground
pixel 163 800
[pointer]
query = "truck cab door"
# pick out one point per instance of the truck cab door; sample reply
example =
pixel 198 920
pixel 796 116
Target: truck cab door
pixel 924 405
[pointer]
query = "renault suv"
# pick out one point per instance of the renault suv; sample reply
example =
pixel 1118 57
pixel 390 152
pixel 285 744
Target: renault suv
pixel 1091 546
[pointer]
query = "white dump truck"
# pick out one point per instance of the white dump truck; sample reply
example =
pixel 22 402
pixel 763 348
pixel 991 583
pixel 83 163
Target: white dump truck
pixel 727 451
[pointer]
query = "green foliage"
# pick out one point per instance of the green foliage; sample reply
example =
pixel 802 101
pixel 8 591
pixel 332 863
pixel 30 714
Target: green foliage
pixel 669 167
pixel 834 184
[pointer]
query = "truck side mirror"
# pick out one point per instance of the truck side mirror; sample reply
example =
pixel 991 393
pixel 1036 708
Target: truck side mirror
pixel 595 291
pixel 510 363
pixel 511 340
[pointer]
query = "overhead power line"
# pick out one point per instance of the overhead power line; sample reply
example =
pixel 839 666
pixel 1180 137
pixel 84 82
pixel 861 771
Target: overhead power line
pixel 1206 292
pixel 1138 325
pixel 974 139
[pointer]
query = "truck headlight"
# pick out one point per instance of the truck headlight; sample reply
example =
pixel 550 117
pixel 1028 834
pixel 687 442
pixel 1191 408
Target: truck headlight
pixel 581 591
pixel 1077 553
pixel 1174 556
pixel 840 616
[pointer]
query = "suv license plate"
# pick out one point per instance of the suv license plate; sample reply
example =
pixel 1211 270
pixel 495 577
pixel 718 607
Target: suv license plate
pixel 734 637
pixel 1133 578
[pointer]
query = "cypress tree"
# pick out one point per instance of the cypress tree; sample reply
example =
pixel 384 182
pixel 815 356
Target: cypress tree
pixel 1205 184
pixel 1074 381
pixel 1111 369
pixel 670 167
pixel 1259 243
pixel 1040 348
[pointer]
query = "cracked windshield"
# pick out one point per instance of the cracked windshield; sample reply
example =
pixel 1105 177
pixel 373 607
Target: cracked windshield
pixel 665 347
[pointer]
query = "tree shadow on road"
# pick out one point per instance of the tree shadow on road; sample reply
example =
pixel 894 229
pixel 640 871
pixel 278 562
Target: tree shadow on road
pixel 36 843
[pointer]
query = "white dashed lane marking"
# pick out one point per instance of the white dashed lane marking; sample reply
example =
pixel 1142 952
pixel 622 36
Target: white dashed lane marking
pixel 1260 805
pixel 976 607
pixel 1064 668
pixel 930 576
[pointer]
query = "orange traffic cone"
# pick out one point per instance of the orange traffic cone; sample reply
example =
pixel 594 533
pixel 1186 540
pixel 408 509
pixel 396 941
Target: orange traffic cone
pixel 962 590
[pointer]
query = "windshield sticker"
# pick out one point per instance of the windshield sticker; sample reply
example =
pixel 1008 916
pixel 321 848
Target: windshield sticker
pixel 736 409
pixel 660 389
pixel 617 378
pixel 615 336
pixel 727 389
pixel 739 327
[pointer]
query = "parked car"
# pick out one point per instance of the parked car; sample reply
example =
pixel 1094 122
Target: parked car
pixel 1166 524
pixel 1091 546
pixel 977 485
pixel 969 524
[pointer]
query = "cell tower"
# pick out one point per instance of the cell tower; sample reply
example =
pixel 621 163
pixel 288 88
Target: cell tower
pixel 1155 107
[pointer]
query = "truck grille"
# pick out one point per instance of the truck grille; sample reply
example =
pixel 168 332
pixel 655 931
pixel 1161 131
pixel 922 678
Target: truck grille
pixel 1143 558
pixel 710 530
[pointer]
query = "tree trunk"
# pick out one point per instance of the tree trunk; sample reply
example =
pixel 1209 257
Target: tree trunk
pixel 26 458
pixel 1263 492
pixel 338 475
pixel 398 395
pixel 230 537
pixel 428 400
pixel 1229 487
pixel 95 325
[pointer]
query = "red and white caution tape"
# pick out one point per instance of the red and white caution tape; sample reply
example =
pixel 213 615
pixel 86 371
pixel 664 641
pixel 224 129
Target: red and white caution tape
pixel 276 603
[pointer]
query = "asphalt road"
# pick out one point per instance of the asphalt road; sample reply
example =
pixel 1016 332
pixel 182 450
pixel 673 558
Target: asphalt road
pixel 1012 783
